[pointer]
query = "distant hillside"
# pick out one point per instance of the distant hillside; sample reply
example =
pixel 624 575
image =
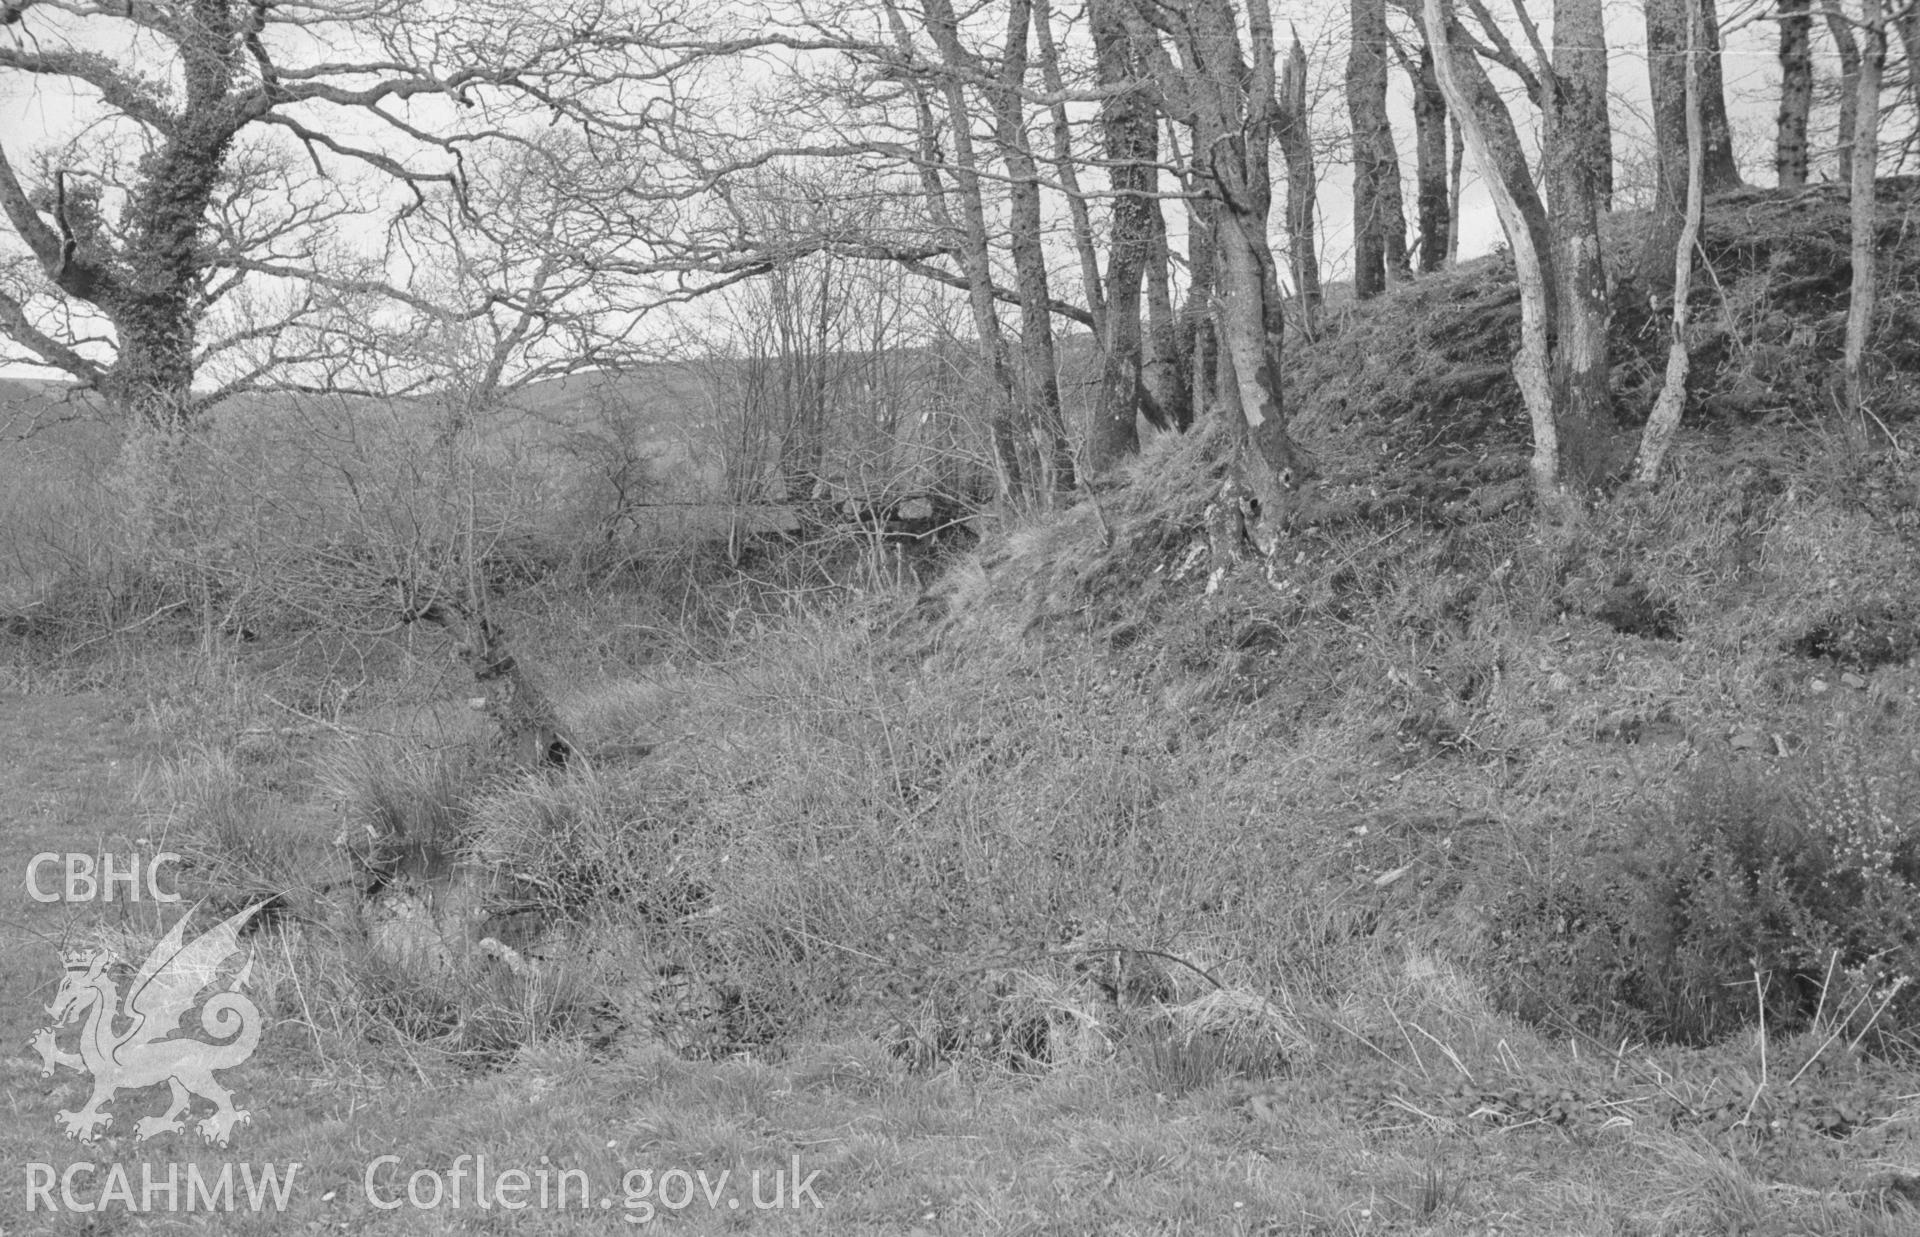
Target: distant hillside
pixel 661 400
pixel 28 406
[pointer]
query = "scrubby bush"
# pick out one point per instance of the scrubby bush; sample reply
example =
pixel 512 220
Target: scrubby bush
pixel 1786 890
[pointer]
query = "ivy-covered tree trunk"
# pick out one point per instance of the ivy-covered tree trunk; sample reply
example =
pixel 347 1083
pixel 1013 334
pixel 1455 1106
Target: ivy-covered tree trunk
pixel 146 281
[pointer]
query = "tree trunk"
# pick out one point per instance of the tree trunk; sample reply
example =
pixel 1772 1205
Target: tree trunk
pixel 1066 167
pixel 1849 48
pixel 1196 316
pixel 1044 425
pixel 1379 223
pixel 146 281
pixel 1796 92
pixel 1908 28
pixel 1502 159
pixel 1232 110
pixel 1668 73
pixel 1671 404
pixel 528 728
pixel 970 239
pixel 1430 164
pixel 1577 155
pixel 1167 397
pixel 1866 158
pixel 1131 129
pixel 1296 148
pixel 1487 128
pixel 1454 186
pixel 1723 170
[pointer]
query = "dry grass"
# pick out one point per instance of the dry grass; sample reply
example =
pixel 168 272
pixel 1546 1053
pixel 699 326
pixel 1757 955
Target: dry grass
pixel 1090 890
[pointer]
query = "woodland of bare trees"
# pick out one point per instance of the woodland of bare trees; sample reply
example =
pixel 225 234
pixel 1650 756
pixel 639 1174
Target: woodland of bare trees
pixel 1122 213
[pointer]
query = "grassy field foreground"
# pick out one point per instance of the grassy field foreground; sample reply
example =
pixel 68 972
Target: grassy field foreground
pixel 1440 874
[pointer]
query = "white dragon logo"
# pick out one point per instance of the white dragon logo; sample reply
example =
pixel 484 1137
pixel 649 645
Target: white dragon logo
pixel 140 1056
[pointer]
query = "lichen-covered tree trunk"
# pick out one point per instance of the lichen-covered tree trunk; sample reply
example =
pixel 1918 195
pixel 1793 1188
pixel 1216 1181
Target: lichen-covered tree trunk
pixel 1576 155
pixel 1252 328
pixel 1796 92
